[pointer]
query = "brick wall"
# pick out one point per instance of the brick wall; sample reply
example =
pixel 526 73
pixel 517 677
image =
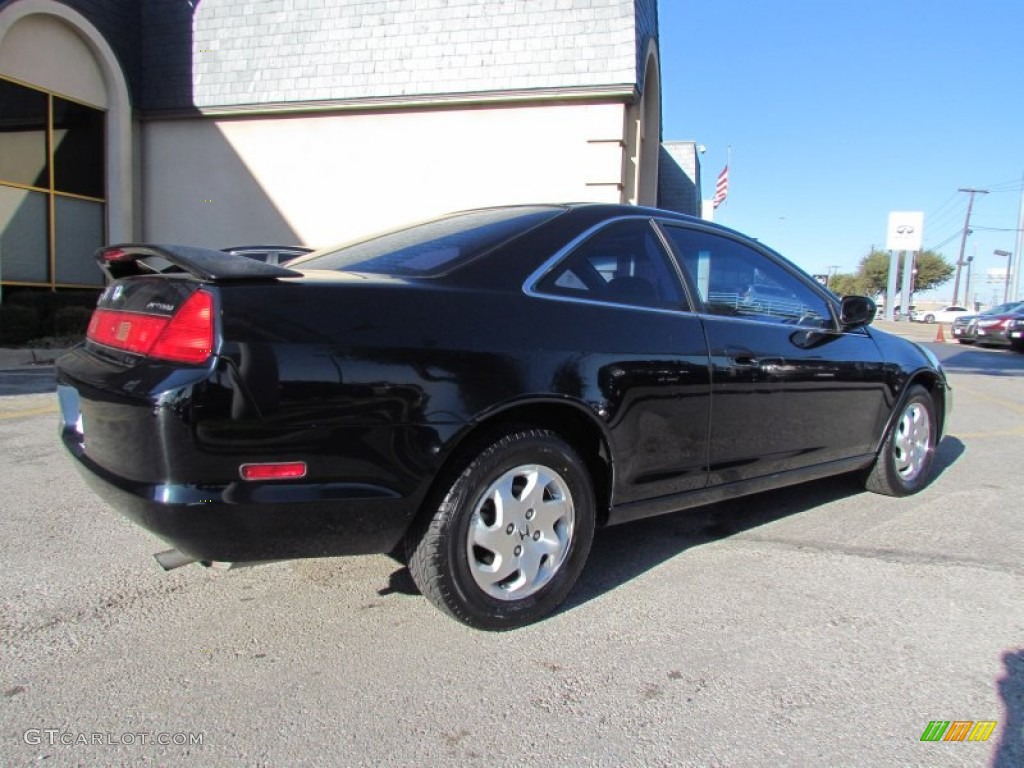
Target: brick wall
pixel 679 177
pixel 182 53
pixel 646 14
pixel 262 51
pixel 168 51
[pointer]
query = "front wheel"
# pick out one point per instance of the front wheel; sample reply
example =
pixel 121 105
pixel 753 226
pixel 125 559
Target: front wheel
pixel 510 531
pixel 903 465
pixel 929 318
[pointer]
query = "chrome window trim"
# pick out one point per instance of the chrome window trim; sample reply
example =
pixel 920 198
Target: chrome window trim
pixel 599 303
pixel 697 304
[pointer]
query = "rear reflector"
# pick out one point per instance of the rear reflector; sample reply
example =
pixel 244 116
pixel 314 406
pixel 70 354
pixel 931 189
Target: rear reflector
pixel 289 470
pixel 184 337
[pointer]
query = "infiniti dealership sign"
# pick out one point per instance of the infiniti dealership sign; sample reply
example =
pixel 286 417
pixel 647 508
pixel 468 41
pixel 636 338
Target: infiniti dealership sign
pixel 906 230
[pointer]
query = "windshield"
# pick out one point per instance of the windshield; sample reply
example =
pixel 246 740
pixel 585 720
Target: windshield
pixel 431 248
pixel 1013 306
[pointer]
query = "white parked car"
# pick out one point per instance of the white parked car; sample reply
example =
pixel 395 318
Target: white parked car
pixel 944 315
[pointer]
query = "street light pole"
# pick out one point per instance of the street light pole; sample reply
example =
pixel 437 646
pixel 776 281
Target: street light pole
pixel 1006 288
pixel 963 240
pixel 967 290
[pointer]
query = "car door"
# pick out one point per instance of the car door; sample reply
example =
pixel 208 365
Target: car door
pixel 788 389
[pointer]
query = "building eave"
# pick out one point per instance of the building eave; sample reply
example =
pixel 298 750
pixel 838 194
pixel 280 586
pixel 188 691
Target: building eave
pixel 625 93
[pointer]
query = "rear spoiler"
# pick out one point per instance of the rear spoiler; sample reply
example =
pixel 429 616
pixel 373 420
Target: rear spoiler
pixel 123 260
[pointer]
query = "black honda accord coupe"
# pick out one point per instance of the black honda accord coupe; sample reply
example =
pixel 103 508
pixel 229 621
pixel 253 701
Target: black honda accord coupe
pixel 477 393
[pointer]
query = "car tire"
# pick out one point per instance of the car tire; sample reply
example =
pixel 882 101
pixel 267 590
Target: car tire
pixel 507 534
pixel 903 465
pixel 929 319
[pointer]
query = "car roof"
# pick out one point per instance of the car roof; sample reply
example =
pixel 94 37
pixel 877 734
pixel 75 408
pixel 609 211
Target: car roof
pixel 511 262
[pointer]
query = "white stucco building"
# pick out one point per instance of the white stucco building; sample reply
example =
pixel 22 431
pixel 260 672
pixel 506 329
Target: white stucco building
pixel 224 122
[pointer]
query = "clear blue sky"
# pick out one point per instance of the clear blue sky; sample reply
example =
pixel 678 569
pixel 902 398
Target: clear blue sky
pixel 840 112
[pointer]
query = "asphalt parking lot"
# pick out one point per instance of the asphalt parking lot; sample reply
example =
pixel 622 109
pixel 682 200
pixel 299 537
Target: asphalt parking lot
pixel 816 626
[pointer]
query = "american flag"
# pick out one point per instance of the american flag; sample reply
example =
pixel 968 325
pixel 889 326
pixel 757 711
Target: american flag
pixel 721 188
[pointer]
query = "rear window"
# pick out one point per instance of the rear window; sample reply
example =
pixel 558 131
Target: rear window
pixel 431 248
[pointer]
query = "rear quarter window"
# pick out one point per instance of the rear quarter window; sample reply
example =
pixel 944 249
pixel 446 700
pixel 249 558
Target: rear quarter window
pixel 432 248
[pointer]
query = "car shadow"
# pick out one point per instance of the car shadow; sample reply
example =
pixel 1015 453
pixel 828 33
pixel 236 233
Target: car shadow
pixel 984 361
pixel 1010 752
pixel 624 552
pixel 946 455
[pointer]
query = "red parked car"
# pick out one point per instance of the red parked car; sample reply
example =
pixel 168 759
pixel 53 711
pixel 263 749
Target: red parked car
pixel 1015 332
pixel 987 328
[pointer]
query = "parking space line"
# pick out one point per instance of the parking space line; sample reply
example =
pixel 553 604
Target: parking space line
pixel 1011 404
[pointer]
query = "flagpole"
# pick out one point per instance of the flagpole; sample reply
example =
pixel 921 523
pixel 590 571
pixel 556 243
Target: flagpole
pixel 728 167
pixel 722 185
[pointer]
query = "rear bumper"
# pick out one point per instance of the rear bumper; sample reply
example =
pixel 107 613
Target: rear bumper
pixel 983 336
pixel 113 441
pixel 245 521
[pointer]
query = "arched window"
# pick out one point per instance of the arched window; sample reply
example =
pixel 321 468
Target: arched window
pixel 65 146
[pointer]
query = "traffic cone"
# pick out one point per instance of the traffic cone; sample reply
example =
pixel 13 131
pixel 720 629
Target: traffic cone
pixel 940 337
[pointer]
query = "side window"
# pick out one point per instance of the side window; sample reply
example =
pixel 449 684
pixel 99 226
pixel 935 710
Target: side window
pixel 735 280
pixel 623 263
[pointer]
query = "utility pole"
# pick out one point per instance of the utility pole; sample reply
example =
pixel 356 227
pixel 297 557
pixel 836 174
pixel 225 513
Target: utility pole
pixel 832 271
pixel 963 240
pixel 1009 265
pixel 1018 256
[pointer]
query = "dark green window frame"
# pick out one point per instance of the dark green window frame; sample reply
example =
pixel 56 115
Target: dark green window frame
pixel 68 176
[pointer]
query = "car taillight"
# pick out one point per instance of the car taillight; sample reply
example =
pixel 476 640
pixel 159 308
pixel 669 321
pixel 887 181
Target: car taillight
pixel 992 323
pixel 184 337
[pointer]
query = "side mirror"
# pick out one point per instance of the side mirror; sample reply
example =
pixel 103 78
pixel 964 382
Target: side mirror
pixel 856 312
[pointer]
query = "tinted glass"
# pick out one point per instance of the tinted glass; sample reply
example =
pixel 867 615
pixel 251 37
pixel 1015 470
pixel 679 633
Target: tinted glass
pixel 735 280
pixel 999 309
pixel 79 233
pixel 78 157
pixel 23 136
pixel 432 248
pixel 24 247
pixel 623 263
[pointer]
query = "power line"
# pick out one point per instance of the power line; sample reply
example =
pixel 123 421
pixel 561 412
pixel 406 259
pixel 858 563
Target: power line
pixel 948 240
pixel 1014 185
pixel 943 216
pixel 934 214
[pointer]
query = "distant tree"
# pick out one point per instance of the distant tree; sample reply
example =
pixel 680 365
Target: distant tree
pixel 873 273
pixel 845 285
pixel 932 270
